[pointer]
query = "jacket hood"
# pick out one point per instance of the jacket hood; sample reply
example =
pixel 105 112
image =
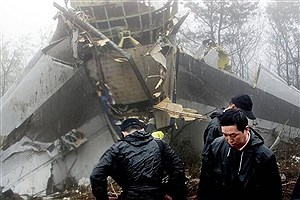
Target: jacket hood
pixel 217 113
pixel 255 139
pixel 138 138
pixel 256 133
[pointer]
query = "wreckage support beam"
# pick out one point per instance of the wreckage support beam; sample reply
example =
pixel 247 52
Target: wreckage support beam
pixel 86 26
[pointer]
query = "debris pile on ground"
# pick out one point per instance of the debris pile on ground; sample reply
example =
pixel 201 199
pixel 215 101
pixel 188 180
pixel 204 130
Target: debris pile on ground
pixel 84 193
pixel 287 156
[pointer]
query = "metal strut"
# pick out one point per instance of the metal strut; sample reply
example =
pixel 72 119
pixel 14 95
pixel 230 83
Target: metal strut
pixel 86 26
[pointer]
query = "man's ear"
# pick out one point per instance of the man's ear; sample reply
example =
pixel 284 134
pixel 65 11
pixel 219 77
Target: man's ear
pixel 231 106
pixel 247 129
pixel 123 133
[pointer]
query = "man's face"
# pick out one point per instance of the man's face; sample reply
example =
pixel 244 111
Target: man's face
pixel 234 137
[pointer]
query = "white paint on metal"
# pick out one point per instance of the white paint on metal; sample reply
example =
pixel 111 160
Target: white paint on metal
pixel 28 171
pixel 277 87
pixel 45 78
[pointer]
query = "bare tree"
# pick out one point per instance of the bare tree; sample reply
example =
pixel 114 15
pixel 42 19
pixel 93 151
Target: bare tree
pixel 13 59
pixel 284 39
pixel 243 46
pixel 216 17
pixel 15 53
pixel 230 24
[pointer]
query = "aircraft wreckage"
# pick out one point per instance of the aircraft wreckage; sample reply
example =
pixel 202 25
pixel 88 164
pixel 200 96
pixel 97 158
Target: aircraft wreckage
pixel 108 61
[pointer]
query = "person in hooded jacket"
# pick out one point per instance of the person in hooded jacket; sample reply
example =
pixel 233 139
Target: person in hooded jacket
pixel 138 163
pixel 238 165
pixel 241 102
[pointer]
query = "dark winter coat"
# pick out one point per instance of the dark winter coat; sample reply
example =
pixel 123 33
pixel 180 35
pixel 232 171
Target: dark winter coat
pixel 213 130
pixel 135 163
pixel 231 174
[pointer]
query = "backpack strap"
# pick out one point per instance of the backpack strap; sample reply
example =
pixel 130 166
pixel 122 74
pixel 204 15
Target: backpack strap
pixel 165 178
pixel 161 147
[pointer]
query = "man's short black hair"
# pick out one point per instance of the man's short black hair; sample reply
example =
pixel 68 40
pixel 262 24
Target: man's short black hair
pixel 234 117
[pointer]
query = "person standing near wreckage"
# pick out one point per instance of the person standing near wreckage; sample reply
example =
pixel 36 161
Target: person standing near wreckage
pixel 138 164
pixel 241 102
pixel 238 165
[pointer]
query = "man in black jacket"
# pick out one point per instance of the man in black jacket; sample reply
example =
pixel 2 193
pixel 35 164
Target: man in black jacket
pixel 239 165
pixel 241 102
pixel 138 164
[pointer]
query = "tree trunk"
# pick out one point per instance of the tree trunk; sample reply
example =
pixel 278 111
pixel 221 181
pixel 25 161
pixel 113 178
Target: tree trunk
pixel 287 67
pixel 297 67
pixel 3 87
pixel 220 24
pixel 212 32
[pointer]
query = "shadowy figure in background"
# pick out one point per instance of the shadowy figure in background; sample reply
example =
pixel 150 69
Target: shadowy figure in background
pixel 241 102
pixel 138 163
pixel 239 165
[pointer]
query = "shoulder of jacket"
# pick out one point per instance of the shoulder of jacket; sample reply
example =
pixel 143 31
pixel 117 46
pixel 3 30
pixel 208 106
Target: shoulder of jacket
pixel 163 145
pixel 216 113
pixel 214 124
pixel 215 120
pixel 217 143
pixel 264 151
pixel 218 140
pixel 118 145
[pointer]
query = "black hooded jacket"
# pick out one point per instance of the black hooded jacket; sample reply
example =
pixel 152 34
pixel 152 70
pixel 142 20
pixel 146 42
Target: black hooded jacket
pixel 135 163
pixel 213 129
pixel 231 174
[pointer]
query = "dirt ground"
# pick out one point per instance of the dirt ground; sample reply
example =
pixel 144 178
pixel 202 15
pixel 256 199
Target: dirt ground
pixel 288 157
